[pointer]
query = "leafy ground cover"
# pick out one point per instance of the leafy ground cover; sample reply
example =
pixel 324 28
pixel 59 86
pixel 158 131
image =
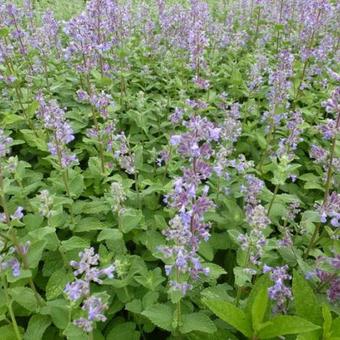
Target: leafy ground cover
pixel 169 169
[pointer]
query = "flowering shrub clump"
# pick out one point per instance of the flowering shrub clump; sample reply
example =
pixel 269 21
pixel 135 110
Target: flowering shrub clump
pixel 169 169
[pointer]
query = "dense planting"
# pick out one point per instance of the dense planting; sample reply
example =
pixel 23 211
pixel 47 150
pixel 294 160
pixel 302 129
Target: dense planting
pixel 169 169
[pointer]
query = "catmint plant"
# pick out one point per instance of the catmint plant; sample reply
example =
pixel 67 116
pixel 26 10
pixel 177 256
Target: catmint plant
pixel 279 293
pixel 189 197
pixel 54 120
pixel 87 271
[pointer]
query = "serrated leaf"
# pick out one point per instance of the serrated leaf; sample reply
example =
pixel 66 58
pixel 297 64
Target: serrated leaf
pixel 197 322
pixel 327 323
pixel 230 314
pixel 286 324
pixel 160 315
pixel 110 234
pixel 12 119
pixel 123 331
pixel 74 242
pixel 24 297
pixel 89 224
pixel 262 281
pixel 335 331
pixel 73 332
pixel 259 307
pixel 33 140
pixel 305 301
pixel 58 310
pixel 56 284
pixel 151 280
pixel 134 306
pixel 35 253
pixel 130 219
pixel 76 183
pixel 37 327
pixel 7 332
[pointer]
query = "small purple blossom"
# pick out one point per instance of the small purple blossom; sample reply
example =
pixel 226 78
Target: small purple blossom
pixel 87 268
pixel 5 143
pixel 279 292
pixel 187 229
pixel 77 289
pixel 328 129
pixel 176 116
pixel 201 83
pixel 330 210
pixel 54 120
pixel 18 214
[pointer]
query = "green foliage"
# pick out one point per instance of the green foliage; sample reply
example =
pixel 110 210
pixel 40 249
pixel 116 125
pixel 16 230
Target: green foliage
pixel 146 69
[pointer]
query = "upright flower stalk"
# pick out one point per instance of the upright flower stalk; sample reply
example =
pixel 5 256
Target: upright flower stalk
pixel 189 197
pixel 61 134
pixel 87 271
pixel 7 218
pixel 330 132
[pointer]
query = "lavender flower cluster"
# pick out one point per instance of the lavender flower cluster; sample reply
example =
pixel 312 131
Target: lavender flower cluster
pixel 11 259
pixel 327 274
pixel 279 292
pixel 254 241
pixel 5 143
pixel 88 271
pixel 188 228
pixel 55 121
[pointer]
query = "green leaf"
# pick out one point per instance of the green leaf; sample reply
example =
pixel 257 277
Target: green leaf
pixel 220 334
pixel 327 324
pixel 262 281
pixel 197 322
pixel 74 242
pixel 58 310
pixel 76 183
pixel 306 304
pixel 336 327
pixel 4 32
pixel 33 140
pixel 8 333
pixel 149 299
pixel 110 234
pixel 151 280
pixel 206 250
pixel 73 332
pixel 89 224
pixel 135 306
pixel 57 283
pixel 230 314
pixel 123 331
pixel 35 253
pixel 130 219
pixel 286 324
pixel 37 327
pixel 259 307
pixel 160 315
pixel 242 277
pixel 24 297
pixel 12 119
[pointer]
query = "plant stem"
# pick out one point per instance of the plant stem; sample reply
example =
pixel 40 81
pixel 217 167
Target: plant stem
pixel 257 23
pixel 278 32
pixel 277 187
pixel 13 238
pixel 239 288
pixel 24 260
pixel 139 202
pixel 306 63
pixel 10 309
pixel 327 188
